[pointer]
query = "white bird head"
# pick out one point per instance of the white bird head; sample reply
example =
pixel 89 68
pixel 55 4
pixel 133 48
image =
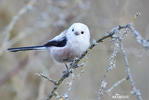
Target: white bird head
pixel 79 31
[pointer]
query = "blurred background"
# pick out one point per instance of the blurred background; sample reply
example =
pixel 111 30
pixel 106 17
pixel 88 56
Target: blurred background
pixel 25 23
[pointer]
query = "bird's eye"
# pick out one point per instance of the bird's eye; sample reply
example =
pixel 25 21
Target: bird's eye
pixel 72 30
pixel 82 32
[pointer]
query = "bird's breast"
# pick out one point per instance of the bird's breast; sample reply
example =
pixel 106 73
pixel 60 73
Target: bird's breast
pixel 63 54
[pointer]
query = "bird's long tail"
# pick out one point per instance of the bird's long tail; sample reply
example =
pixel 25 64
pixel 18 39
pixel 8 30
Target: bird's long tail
pixel 27 48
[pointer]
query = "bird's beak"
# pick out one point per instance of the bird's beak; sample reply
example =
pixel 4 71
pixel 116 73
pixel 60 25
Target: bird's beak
pixel 76 33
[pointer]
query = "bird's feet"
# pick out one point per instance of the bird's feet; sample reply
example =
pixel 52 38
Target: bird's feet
pixel 67 71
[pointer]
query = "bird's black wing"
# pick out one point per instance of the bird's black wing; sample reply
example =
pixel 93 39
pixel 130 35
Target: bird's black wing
pixel 57 43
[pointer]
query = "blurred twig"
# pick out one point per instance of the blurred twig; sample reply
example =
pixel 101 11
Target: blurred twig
pixel 14 71
pixel 10 26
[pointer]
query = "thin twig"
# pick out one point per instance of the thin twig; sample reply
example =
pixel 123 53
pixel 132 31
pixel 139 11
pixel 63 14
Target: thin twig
pixel 139 38
pixel 130 78
pixel 101 89
pixel 44 76
pixel 115 85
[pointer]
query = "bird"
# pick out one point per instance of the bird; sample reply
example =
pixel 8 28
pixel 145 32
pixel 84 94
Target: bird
pixel 66 46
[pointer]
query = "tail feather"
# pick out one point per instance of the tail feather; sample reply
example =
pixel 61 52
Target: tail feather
pixel 26 48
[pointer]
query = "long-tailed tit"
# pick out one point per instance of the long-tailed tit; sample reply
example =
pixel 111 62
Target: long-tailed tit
pixel 66 46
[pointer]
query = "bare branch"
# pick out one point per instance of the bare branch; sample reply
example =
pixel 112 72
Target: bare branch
pixel 138 36
pixel 101 89
pixel 130 78
pixel 115 85
pixel 45 77
pixel 74 64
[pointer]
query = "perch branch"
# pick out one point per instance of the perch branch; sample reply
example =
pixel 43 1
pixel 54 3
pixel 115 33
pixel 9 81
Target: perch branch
pixel 74 64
